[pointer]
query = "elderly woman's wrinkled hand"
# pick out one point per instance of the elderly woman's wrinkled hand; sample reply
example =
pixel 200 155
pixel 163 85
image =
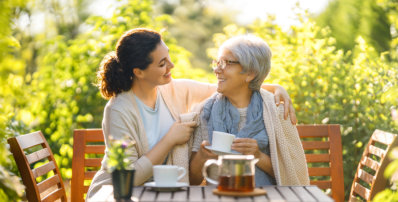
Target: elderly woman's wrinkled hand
pixel 246 146
pixel 205 153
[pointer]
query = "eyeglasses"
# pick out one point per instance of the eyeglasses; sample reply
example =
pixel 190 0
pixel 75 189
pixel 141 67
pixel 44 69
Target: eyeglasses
pixel 222 64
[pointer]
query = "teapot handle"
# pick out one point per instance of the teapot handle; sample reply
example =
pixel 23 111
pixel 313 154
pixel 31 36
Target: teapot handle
pixel 204 171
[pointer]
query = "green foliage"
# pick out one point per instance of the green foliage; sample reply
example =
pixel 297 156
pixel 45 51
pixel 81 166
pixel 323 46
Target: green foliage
pixel 326 85
pixel 349 19
pixel 119 153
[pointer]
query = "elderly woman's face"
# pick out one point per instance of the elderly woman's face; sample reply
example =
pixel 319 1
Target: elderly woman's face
pixel 230 79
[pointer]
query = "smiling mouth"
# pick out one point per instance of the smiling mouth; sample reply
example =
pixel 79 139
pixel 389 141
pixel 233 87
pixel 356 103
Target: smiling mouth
pixel 221 80
pixel 168 74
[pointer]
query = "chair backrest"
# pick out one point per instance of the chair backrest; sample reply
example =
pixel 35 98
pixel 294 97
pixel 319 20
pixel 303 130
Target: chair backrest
pixel 369 179
pixel 88 150
pixel 322 145
pixel 49 189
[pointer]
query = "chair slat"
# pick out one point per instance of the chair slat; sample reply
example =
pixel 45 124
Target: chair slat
pixel 322 184
pixel 81 138
pixel 47 183
pixel 383 137
pixel 317 158
pixel 94 149
pixel 319 171
pixel 306 131
pixel 29 140
pixel 38 155
pixel 377 151
pixel 368 162
pixel 37 172
pixel 92 162
pixel 53 195
pixel 312 145
pixel 361 190
pixel 363 175
pixel 86 189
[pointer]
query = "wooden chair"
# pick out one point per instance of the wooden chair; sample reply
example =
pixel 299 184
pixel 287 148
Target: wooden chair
pixel 84 166
pixel 20 146
pixel 322 145
pixel 369 179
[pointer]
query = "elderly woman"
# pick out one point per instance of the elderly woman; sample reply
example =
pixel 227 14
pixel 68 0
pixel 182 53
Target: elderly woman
pixel 241 108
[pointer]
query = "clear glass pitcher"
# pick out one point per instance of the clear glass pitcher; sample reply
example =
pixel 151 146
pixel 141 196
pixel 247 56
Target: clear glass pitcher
pixel 235 172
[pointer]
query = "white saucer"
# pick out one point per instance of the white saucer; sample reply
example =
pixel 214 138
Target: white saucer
pixel 218 152
pixel 176 187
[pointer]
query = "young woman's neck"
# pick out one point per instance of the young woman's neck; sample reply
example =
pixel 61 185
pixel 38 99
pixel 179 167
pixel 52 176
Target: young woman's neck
pixel 145 92
pixel 240 99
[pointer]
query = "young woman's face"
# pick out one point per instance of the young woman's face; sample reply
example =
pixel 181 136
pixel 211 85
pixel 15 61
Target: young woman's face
pixel 230 79
pixel 158 72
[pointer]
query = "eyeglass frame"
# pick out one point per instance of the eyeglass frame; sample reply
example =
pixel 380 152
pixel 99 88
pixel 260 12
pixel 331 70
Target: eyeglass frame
pixel 215 64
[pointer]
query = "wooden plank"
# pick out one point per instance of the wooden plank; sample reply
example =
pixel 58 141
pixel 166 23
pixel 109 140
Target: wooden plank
pixel 303 193
pixel 319 171
pixel 368 162
pixel 181 195
pixel 148 195
pixel 89 175
pixel 38 155
pixel 137 191
pixel 29 140
pixel 312 131
pixel 37 172
pixel 363 175
pixel 322 184
pixel 377 151
pixel 208 194
pixel 273 194
pixel 164 196
pixel 361 190
pixel 85 189
pixel 318 194
pixel 92 162
pixel 58 193
pixel 47 183
pixel 315 145
pixel 287 193
pixel 317 158
pixel 195 193
pixel 94 149
pixel 383 137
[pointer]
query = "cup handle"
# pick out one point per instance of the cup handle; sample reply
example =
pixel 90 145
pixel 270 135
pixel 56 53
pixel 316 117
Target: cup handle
pixel 182 174
pixel 204 171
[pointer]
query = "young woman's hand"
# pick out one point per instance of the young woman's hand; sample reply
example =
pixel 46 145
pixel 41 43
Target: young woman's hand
pixel 180 133
pixel 282 95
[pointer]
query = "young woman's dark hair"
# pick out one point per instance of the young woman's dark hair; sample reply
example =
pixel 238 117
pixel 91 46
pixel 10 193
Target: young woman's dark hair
pixel 132 51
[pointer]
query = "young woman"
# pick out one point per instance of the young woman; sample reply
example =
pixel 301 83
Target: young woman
pixel 145 103
pixel 241 108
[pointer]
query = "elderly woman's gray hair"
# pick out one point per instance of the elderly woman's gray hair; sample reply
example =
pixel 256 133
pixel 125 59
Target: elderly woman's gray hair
pixel 254 56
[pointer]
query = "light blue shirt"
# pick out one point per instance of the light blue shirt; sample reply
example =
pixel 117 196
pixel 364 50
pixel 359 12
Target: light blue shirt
pixel 157 122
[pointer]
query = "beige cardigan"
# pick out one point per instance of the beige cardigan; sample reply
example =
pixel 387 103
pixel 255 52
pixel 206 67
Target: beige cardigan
pixel 122 117
pixel 287 153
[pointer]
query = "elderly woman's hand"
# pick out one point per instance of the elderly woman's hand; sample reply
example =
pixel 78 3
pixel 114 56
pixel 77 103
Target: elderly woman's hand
pixel 246 146
pixel 282 95
pixel 205 153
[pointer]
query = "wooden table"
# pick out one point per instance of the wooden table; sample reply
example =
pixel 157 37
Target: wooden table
pixel 204 193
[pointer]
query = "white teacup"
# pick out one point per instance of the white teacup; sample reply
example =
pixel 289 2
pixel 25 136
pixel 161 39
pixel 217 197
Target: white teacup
pixel 167 175
pixel 222 141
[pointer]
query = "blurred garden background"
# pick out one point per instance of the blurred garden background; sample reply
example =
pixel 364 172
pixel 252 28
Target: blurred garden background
pixel 339 66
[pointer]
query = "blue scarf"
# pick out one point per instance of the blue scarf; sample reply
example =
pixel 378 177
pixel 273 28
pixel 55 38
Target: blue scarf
pixel 221 115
